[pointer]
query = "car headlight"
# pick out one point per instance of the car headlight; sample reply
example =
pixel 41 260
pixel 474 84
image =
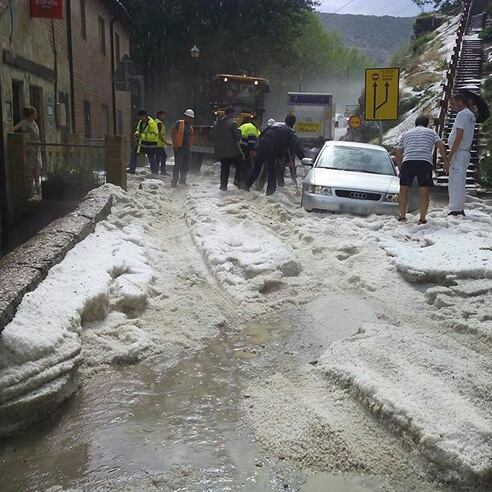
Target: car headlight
pixel 318 190
pixel 391 197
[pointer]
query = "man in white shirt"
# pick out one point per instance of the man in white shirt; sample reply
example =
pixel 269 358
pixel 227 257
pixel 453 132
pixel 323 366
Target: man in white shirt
pixel 414 156
pixel 460 142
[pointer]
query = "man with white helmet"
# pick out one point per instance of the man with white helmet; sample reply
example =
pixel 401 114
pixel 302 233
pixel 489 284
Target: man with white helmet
pixel 182 137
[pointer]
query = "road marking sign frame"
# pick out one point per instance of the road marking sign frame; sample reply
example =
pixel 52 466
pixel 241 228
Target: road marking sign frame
pixel 382 94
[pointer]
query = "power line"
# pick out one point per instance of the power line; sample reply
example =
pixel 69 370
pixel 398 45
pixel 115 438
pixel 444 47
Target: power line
pixel 328 15
pixel 382 9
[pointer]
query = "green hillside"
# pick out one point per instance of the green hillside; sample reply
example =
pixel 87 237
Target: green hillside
pixel 378 37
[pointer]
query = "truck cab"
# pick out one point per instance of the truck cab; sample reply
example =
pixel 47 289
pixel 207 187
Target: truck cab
pixel 315 114
pixel 245 94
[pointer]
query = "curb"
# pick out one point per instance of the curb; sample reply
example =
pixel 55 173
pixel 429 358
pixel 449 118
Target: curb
pixel 22 270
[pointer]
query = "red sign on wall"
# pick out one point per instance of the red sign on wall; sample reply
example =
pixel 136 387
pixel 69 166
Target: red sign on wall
pixel 48 9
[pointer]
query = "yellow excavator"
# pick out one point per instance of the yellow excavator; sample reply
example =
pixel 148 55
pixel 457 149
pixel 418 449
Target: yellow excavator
pixel 246 94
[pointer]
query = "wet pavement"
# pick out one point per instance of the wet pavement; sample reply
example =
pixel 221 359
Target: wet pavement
pixel 149 426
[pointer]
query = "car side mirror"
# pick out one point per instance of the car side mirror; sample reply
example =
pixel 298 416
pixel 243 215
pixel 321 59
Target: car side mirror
pixel 307 161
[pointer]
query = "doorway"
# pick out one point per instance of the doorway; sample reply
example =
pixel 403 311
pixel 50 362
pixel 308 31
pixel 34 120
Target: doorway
pixel 36 100
pixel 17 100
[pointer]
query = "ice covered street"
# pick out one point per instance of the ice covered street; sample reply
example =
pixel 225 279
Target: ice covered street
pixel 204 340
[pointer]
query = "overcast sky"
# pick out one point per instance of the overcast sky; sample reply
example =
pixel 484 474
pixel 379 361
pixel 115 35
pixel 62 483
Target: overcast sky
pixel 403 8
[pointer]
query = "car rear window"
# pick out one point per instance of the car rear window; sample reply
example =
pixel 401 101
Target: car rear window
pixel 356 159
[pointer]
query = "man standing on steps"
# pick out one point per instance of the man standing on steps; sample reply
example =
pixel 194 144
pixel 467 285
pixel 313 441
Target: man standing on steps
pixel 414 160
pixel 182 137
pixel 460 142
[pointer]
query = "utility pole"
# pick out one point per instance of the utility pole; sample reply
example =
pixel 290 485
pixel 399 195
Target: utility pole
pixel 381 132
pixel 195 55
pixel 4 203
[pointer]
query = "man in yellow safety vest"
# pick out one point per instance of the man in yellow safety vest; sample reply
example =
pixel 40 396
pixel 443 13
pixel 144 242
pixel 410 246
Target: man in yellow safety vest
pixel 147 136
pixel 162 142
pixel 249 139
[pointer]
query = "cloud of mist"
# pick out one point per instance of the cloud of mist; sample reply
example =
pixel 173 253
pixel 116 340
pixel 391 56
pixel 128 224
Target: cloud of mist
pixel 345 91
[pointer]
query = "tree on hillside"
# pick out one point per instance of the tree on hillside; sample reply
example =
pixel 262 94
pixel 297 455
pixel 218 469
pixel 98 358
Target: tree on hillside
pixel 443 5
pixel 279 39
pixel 234 34
pixel 421 4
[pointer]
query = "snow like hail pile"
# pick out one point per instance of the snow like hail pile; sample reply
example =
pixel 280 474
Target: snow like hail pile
pixel 432 381
pixel 40 349
pixel 410 378
pixel 243 255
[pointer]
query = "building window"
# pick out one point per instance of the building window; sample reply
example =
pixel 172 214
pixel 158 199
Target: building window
pixel 105 120
pixel 120 122
pixel 102 35
pixel 117 48
pixel 83 21
pixel 87 119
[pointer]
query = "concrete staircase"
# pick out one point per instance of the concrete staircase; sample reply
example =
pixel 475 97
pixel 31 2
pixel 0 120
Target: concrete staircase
pixel 467 76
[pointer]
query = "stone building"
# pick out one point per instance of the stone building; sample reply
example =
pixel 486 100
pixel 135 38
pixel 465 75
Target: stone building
pixel 66 67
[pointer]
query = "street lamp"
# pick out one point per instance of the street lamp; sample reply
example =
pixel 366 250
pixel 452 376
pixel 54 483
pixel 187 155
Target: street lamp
pixel 195 54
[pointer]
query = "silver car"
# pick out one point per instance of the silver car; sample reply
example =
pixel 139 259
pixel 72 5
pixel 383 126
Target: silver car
pixel 351 177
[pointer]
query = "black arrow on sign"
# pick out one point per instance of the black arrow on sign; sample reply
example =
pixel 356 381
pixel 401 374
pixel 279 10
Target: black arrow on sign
pixel 387 86
pixel 374 109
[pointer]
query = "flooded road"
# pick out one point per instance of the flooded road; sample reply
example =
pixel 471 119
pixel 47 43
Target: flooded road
pixel 149 426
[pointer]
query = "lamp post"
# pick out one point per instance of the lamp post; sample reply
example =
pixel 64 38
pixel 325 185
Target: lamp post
pixel 195 54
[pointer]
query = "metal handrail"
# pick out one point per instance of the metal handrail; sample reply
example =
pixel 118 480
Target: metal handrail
pixel 453 65
pixel 48 144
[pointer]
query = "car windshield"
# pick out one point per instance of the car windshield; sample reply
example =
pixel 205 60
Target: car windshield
pixel 356 159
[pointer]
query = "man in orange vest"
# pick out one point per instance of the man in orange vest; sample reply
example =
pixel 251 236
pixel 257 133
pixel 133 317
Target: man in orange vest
pixel 182 137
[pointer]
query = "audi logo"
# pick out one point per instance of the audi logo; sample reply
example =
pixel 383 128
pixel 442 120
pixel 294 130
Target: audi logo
pixel 357 195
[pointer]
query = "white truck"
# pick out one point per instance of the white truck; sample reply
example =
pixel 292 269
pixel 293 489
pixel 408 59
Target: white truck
pixel 315 114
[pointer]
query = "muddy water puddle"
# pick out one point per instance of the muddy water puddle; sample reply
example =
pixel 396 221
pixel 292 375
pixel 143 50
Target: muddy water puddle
pixel 148 427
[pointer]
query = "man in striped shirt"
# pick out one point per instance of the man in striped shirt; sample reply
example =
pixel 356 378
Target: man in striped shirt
pixel 414 159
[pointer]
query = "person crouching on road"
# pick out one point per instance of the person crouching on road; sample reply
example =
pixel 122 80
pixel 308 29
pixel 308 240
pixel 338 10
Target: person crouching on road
pixel 227 150
pixel 182 137
pixel 249 139
pixel 460 142
pixel 162 142
pixel 276 141
pixel 146 135
pixel 414 156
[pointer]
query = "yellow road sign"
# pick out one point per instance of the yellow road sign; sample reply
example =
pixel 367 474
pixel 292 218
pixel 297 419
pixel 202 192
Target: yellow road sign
pixel 382 93
pixel 308 127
